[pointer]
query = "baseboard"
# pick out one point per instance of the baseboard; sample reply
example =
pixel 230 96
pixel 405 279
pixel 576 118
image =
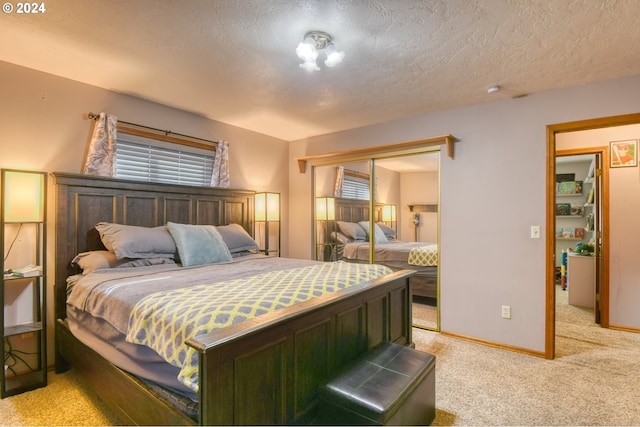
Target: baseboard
pixel 624 328
pixel 496 345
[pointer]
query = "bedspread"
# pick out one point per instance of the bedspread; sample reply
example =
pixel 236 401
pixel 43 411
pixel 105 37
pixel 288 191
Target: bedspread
pixel 424 255
pixel 164 320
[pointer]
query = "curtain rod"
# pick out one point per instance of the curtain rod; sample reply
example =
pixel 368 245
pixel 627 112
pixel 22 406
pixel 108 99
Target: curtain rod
pixel 94 116
pixel 356 173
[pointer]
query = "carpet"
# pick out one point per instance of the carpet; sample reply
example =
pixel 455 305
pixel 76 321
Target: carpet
pixel 425 313
pixel 592 381
pixel 65 401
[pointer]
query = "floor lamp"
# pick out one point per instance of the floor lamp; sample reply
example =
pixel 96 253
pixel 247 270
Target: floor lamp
pixel 325 212
pixel 389 216
pixel 267 212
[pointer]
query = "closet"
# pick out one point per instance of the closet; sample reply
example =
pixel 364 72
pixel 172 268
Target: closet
pixel 396 186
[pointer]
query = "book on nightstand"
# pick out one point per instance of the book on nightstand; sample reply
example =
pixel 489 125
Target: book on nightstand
pixel 27 271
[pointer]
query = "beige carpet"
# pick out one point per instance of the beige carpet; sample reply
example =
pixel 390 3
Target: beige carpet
pixel 593 381
pixel 65 401
pixel 424 314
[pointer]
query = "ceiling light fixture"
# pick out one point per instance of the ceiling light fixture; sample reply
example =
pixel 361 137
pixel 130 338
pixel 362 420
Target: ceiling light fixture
pixel 493 89
pixel 314 42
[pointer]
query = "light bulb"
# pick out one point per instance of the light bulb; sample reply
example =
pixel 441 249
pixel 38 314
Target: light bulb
pixel 306 50
pixel 333 56
pixel 310 66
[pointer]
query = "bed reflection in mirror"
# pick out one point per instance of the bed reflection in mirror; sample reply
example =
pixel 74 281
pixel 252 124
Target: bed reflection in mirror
pixel 400 229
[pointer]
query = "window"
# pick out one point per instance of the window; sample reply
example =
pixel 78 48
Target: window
pixel 151 160
pixel 355 187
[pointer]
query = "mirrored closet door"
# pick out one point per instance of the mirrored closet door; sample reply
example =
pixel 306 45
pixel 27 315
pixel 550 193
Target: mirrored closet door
pixel 394 199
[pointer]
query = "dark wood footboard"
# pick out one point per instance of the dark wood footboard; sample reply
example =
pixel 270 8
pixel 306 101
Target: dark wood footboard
pixel 267 370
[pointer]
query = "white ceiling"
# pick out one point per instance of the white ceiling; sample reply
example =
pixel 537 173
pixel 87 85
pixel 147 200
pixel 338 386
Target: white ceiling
pixel 234 60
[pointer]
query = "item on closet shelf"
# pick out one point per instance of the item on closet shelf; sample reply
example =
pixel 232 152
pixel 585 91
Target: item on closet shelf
pixel 563 177
pixel 570 187
pixel 563 208
pixel 568 233
pixel 576 209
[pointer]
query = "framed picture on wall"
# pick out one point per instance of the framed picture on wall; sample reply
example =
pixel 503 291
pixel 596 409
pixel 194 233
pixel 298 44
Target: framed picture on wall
pixel 624 154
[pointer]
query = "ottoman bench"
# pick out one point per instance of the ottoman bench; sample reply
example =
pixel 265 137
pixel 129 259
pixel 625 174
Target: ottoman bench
pixel 391 385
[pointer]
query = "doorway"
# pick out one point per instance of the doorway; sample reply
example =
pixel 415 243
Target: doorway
pixel 578 233
pixel 553 131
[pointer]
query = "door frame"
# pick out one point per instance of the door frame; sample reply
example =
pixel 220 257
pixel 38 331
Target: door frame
pixel 550 299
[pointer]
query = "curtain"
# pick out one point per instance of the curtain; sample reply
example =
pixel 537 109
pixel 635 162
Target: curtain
pixel 375 188
pixel 220 176
pixel 337 190
pixel 102 148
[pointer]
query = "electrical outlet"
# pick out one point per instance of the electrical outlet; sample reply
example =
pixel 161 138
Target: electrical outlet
pixel 535 231
pixel 506 312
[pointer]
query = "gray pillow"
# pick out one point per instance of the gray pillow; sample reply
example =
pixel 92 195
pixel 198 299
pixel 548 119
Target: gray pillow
pixel 379 236
pixel 340 238
pixel 237 239
pixel 130 241
pixel 389 232
pixel 96 260
pixel 352 230
pixel 199 244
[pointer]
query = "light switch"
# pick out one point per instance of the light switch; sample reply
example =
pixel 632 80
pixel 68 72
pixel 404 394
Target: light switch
pixel 535 231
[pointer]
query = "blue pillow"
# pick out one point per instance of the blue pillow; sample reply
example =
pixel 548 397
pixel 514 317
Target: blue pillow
pixel 199 244
pixel 378 236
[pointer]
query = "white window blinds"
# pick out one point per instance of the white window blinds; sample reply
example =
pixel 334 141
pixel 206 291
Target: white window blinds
pixel 355 188
pixel 145 159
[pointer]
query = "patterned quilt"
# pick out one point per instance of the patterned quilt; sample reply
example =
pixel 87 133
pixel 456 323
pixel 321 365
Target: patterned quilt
pixel 164 320
pixel 424 256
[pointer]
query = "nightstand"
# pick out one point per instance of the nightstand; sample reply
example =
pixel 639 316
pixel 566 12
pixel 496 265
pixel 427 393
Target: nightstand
pixel 23 290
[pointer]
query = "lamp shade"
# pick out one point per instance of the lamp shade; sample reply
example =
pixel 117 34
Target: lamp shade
pixel 325 209
pixel 267 207
pixel 389 213
pixel 23 194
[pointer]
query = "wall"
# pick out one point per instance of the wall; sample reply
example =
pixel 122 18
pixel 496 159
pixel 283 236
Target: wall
pixel 624 230
pixel 418 188
pixel 491 193
pixel 43 126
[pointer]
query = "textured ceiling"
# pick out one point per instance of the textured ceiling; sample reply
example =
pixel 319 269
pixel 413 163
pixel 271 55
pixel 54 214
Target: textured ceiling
pixel 234 60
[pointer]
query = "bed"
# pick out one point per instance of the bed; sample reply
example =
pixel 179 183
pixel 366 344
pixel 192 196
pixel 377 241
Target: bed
pixel 264 370
pixel 350 238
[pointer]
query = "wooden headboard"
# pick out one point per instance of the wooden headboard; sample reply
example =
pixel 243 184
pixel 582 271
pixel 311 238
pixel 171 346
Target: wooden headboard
pixel 355 210
pixel 82 201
